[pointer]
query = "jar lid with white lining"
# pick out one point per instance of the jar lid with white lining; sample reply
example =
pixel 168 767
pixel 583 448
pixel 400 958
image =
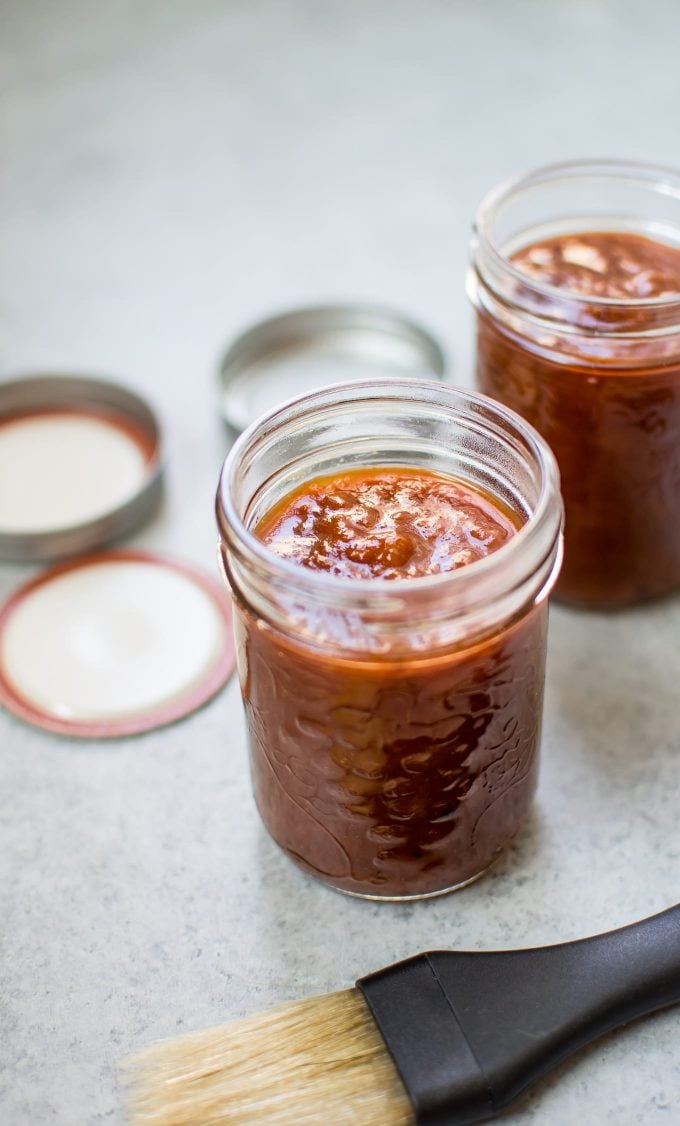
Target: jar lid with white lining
pixel 114 644
pixel 80 465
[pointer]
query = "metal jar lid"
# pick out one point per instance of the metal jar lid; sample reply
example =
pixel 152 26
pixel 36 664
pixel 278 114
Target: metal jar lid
pixel 297 351
pixel 62 438
pixel 159 630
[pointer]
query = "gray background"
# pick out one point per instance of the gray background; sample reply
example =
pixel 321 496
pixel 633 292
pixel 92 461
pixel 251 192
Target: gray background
pixel 170 172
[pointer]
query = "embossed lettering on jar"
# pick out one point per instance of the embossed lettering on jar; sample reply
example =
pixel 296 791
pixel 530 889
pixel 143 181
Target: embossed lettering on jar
pixel 391 624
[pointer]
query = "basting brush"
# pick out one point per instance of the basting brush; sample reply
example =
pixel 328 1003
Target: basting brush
pixel 441 1039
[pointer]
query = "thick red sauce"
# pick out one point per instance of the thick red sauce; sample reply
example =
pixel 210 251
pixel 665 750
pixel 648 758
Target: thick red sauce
pixel 614 426
pixel 387 524
pixel 604 264
pixel 391 775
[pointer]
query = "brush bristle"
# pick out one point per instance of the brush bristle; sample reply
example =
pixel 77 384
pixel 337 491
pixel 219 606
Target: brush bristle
pixel 320 1060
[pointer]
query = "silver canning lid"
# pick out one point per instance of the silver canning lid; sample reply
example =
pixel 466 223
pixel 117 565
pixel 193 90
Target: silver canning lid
pixel 304 349
pixel 80 465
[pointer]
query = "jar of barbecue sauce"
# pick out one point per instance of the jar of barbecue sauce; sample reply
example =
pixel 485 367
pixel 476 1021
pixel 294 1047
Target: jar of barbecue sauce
pixel 390 546
pixel 576 280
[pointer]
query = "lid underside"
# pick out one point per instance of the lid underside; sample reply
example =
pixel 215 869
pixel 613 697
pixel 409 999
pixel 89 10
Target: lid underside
pixel 115 644
pixel 79 465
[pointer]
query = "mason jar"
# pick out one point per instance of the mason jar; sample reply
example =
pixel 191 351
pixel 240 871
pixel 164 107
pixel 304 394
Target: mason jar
pixel 393 726
pixel 575 277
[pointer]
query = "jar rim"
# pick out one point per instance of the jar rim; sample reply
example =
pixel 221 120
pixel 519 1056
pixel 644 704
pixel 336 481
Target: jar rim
pixel 662 178
pixel 342 589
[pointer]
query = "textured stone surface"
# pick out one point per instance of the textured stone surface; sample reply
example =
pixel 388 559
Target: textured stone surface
pixel 170 172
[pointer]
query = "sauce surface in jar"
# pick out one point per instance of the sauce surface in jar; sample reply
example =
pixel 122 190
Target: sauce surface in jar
pixel 387 524
pixel 612 421
pixel 398 774
pixel 617 264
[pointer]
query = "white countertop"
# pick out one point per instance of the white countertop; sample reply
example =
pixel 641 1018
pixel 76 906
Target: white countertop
pixel 171 172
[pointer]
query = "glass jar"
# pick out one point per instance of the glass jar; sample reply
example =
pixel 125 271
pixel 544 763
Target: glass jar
pixel 393 725
pixel 597 375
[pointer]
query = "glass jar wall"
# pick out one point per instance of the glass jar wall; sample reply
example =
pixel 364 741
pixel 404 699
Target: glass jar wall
pixel 393 725
pixel 576 280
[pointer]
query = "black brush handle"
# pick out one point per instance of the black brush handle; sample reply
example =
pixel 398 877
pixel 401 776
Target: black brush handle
pixel 469 1031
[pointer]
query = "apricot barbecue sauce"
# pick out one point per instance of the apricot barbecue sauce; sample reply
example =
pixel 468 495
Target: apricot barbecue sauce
pixel 613 424
pixel 397 524
pixel 398 773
